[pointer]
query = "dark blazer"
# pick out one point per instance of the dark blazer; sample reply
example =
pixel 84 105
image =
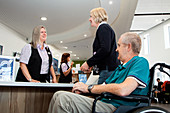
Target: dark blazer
pixel 104 49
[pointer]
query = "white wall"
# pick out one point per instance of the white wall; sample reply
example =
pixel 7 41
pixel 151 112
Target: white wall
pixel 158 53
pixel 11 42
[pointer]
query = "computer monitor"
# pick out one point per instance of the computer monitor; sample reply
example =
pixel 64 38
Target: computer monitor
pixel 7 68
pixel 82 78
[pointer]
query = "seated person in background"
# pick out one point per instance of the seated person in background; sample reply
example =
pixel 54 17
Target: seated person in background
pixel 154 94
pixel 163 86
pixel 65 70
pixel 132 77
pixel 36 59
pixel 165 93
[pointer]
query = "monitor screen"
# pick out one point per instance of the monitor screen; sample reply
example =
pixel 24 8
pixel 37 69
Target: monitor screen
pixel 7 68
pixel 82 78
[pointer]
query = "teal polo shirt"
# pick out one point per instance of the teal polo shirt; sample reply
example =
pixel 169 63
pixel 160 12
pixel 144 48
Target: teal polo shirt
pixel 138 69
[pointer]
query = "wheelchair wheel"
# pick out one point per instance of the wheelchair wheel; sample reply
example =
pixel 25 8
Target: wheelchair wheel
pixel 150 109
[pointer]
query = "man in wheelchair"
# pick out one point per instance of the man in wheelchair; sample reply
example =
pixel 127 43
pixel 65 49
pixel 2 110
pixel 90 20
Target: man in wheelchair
pixel 132 77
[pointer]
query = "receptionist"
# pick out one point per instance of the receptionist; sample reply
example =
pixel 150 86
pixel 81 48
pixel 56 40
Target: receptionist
pixel 36 59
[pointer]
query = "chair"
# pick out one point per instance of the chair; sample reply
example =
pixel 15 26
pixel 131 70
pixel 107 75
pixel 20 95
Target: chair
pixel 166 93
pixel 144 101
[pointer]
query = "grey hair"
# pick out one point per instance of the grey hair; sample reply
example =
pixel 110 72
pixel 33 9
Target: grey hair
pixel 133 39
pixel 99 14
pixel 36 36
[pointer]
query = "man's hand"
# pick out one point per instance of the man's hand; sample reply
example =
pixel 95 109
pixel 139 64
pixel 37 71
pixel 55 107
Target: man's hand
pixel 80 87
pixel 85 67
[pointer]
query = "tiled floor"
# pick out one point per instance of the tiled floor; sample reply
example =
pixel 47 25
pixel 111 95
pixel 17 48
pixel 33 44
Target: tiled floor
pixel 165 106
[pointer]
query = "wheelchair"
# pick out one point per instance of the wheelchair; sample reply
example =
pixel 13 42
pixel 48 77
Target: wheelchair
pixel 144 105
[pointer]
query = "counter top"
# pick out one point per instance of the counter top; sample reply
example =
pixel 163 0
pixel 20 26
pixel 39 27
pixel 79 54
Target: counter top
pixel 31 84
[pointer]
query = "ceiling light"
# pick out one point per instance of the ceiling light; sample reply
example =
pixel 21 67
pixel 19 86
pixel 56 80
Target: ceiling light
pixel 110 2
pixel 70 51
pixel 85 35
pixel 78 58
pixel 156 20
pixel 66 47
pixel 61 41
pixel 43 18
pixel 74 54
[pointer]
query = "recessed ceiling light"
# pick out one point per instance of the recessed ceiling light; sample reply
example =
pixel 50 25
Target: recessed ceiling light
pixel 61 41
pixel 43 18
pixel 70 52
pixel 74 55
pixel 110 2
pixel 78 58
pixel 156 20
pixel 66 47
pixel 85 35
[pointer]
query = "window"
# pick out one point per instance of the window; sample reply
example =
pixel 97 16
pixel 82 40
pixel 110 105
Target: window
pixel 163 77
pixel 146 44
pixel 167 36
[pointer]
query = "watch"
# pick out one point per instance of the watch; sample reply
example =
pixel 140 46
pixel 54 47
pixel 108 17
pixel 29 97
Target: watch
pixel 90 87
pixel 30 79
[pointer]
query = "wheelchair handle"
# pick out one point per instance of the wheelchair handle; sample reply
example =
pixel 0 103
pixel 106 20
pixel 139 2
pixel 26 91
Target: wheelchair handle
pixel 162 64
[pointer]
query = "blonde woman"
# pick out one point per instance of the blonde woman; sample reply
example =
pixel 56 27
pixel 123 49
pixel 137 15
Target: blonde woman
pixel 36 59
pixel 104 57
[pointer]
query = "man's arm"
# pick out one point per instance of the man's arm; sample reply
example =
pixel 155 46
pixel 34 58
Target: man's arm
pixel 122 89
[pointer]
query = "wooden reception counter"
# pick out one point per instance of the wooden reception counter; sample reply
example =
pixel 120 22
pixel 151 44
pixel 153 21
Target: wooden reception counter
pixel 26 97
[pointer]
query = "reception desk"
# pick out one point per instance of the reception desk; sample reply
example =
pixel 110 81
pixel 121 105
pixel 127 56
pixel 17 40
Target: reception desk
pixel 26 97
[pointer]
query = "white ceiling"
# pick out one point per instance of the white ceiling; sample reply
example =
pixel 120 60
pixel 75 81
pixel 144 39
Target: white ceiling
pixel 149 13
pixel 67 20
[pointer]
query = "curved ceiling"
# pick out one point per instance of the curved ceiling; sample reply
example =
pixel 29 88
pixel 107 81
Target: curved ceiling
pixel 63 15
pixel 67 20
pixel 77 29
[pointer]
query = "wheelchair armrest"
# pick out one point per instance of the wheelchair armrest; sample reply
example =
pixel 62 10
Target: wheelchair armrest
pixel 90 94
pixel 131 98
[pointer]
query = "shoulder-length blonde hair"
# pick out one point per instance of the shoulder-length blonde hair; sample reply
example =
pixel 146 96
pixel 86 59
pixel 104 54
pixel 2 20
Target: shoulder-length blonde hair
pixel 36 36
pixel 99 15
